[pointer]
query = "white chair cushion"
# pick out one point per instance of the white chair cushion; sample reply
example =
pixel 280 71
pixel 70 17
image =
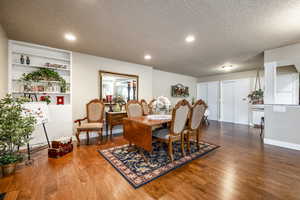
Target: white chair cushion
pixel 90 126
pixel 161 133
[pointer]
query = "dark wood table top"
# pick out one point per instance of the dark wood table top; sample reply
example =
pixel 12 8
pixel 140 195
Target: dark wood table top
pixel 146 121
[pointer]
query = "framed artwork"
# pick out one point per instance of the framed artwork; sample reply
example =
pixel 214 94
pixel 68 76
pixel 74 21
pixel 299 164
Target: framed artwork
pixel 179 90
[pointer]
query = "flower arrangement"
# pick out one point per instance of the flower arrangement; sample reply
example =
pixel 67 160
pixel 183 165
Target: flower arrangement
pixel 15 130
pixel 161 104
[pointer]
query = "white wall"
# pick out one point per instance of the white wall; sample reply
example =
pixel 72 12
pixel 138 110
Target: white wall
pixel 85 79
pixel 282 122
pixel 152 83
pixel 3 62
pixel 162 82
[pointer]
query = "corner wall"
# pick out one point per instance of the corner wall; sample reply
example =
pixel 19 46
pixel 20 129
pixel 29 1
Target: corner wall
pixel 3 62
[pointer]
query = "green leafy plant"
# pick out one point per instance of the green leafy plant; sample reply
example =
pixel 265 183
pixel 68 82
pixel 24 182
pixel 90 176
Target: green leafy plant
pixel 46 75
pixel 256 96
pixel 15 128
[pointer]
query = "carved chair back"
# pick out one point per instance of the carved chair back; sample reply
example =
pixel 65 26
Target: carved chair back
pixel 180 115
pixel 95 111
pixel 146 110
pixel 134 109
pixel 196 115
pixel 151 111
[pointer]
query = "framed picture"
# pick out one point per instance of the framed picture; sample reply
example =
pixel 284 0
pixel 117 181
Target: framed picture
pixel 179 90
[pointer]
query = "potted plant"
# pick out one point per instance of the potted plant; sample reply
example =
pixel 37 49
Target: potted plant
pixel 15 131
pixel 256 97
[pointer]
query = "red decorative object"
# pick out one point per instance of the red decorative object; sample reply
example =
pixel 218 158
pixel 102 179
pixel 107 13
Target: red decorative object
pixel 59 149
pixel 109 98
pixel 60 100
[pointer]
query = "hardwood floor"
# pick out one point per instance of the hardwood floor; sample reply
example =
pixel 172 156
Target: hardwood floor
pixel 243 168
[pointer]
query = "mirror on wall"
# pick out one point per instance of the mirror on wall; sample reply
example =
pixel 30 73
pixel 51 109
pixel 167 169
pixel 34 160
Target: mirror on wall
pixel 118 88
pixel 287 85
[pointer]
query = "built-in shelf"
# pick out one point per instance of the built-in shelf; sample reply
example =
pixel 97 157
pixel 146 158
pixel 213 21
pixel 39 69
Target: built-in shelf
pixel 35 66
pixel 54 93
pixel 41 56
pixel 41 81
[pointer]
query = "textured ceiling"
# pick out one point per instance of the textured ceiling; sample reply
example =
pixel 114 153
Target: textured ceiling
pixel 235 31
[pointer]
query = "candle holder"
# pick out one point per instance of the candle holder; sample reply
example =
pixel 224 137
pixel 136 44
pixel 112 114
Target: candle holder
pixel 134 89
pixel 128 90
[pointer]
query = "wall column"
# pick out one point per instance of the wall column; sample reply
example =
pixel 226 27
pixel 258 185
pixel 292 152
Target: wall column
pixel 270 82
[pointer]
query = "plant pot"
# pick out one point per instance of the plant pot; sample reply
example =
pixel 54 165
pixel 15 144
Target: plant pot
pixel 9 169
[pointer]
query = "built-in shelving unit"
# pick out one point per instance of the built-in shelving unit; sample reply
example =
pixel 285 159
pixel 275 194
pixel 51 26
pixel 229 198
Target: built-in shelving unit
pixel 60 61
pixel 57 60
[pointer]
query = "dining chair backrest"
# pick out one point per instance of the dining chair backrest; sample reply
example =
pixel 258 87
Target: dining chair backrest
pixel 145 107
pixel 151 107
pixel 180 115
pixel 196 115
pixel 95 111
pixel 134 109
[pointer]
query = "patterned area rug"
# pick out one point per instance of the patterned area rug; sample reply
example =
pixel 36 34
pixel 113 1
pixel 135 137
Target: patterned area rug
pixel 130 163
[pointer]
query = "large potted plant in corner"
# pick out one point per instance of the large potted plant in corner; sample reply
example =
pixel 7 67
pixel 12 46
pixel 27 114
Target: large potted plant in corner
pixel 15 131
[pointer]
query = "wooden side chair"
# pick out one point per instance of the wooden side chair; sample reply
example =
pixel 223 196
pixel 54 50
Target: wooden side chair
pixel 176 131
pixel 95 115
pixel 146 110
pixel 134 109
pixel 151 111
pixel 194 125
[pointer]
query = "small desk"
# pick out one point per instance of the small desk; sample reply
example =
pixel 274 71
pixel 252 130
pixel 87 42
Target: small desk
pixel 138 130
pixel 114 119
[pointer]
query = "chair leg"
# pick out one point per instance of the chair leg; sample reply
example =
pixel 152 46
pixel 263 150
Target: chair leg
pixel 77 136
pixel 188 142
pixel 170 149
pixel 87 138
pixel 182 145
pixel 100 133
pixel 198 139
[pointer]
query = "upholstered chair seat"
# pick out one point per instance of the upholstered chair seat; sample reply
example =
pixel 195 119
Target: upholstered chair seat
pixel 89 126
pixel 161 133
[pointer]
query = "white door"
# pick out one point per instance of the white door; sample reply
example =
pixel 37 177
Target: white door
pixel 213 100
pixel 242 89
pixel 228 108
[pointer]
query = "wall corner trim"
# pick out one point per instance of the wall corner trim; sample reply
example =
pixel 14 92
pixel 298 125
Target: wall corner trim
pixel 282 144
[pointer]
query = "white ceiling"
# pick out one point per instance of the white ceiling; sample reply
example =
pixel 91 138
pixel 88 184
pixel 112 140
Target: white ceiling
pixel 235 31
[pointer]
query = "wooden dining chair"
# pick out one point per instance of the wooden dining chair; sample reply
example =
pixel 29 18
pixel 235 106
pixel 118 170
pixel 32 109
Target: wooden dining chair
pixel 175 132
pixel 134 109
pixel 194 125
pixel 94 118
pixel 151 109
pixel 146 110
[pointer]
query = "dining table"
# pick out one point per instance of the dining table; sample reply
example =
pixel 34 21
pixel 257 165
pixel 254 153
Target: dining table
pixel 138 130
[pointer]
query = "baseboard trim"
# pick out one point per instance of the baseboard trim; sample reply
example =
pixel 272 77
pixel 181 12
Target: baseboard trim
pixel 282 144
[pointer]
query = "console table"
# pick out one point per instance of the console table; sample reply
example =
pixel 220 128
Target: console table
pixel 114 119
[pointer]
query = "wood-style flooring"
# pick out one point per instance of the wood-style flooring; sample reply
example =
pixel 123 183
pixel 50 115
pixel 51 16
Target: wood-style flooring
pixel 243 168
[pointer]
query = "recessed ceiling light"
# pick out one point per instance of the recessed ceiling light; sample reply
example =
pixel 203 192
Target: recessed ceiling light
pixel 70 37
pixel 227 67
pixel 147 57
pixel 190 38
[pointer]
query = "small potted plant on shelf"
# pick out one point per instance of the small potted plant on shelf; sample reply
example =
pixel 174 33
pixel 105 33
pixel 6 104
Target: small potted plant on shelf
pixel 15 131
pixel 256 97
